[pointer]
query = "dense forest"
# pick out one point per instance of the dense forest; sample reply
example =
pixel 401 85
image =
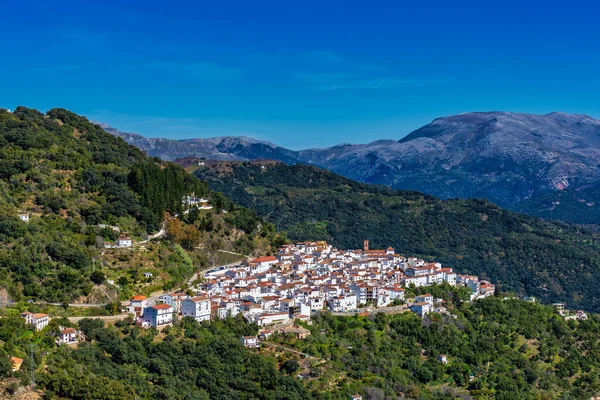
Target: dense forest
pixel 579 206
pixel 553 261
pixel 72 179
pixel 494 349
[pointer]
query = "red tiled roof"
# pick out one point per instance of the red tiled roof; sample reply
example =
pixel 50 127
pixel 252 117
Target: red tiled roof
pixel 161 306
pixel 264 259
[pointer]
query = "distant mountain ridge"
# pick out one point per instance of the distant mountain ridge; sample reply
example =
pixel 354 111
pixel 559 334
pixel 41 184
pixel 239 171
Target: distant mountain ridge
pixel 511 159
pixel 224 148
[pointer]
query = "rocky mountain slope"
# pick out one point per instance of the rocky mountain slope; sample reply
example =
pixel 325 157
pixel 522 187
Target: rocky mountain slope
pixel 518 161
pixel 226 148
pixel 504 157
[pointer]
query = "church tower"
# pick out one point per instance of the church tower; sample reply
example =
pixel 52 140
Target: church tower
pixel 366 245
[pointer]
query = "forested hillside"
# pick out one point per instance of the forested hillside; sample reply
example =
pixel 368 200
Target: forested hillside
pixel 553 261
pixel 71 179
pixel 493 348
pixel 572 205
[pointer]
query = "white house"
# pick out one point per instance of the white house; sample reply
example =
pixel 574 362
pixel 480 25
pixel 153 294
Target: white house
pixel 196 307
pixel 39 321
pixel 418 281
pixel 124 241
pixel 173 299
pixel 16 363
pixel 424 298
pixel 68 336
pixel 316 303
pixel 263 319
pixel 421 309
pixel 228 309
pixel 449 276
pixel 482 290
pixel 443 359
pixel 250 341
pixel 342 303
pixel 191 200
pixel 137 304
pixel 472 282
pixel 396 292
pixel 580 314
pixel 24 217
pixel 286 304
pixel 264 262
pixel 157 316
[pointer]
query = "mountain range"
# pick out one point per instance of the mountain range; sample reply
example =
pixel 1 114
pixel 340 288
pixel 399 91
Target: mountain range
pixel 545 165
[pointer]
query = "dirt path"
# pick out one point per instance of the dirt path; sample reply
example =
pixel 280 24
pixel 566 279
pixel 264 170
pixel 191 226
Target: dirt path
pixel 288 350
pixel 106 318
pixel 160 234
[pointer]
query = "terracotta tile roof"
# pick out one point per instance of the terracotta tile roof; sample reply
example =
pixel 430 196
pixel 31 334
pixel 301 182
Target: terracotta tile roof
pixel 16 362
pixel 161 306
pixel 264 259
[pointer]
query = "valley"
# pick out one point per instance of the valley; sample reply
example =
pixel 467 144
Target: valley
pixel 104 253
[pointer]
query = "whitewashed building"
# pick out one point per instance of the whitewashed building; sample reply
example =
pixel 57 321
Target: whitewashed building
pixel 157 316
pixel 198 308
pixel 38 320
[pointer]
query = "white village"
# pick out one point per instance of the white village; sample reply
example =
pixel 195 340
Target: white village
pixel 305 278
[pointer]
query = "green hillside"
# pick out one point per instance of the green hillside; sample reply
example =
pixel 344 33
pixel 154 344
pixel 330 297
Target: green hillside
pixel 494 348
pixel 70 176
pixel 553 261
pixel 578 206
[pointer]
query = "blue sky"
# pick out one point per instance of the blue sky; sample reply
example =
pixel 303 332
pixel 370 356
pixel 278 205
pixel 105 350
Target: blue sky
pixel 300 74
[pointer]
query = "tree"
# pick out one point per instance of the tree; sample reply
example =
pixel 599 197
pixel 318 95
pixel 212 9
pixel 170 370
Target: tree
pixel 5 365
pixel 175 231
pixel 191 237
pixel 123 281
pixel 290 366
pixel 97 277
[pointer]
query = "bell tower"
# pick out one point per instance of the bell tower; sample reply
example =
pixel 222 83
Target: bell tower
pixel 366 245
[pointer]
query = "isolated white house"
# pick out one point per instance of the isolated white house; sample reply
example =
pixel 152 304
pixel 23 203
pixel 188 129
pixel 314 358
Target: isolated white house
pixel 125 241
pixel 69 336
pixel 249 341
